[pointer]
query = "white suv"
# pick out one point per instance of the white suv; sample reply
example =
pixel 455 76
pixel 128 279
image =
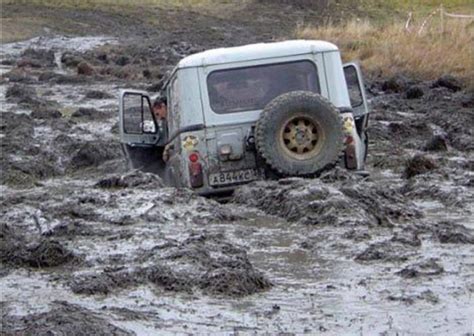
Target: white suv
pixel 257 111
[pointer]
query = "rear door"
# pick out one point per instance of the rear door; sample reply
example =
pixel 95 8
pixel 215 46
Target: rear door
pixel 355 85
pixel 138 125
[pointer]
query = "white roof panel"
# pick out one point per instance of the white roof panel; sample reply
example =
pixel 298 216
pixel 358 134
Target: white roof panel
pixel 255 51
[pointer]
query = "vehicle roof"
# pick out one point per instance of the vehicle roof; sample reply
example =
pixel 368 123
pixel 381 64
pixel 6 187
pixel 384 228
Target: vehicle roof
pixel 255 51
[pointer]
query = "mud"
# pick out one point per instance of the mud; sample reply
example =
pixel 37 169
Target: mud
pixel 452 233
pixel 90 114
pixel 419 164
pixel 315 202
pixel 342 254
pixel 135 179
pixel 224 268
pixel 426 268
pixel 46 113
pixel 436 143
pixel 17 251
pixel 64 319
pixel 93 153
pixel 98 95
pixel 104 283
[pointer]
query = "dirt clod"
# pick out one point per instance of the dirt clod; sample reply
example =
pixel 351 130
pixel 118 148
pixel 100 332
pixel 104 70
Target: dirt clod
pixel 414 92
pixel 234 282
pixel 170 280
pixel 70 59
pixel 451 233
pixel 42 57
pixel 103 283
pixel 436 143
pixel 46 113
pixel 16 251
pixel 63 319
pixel 448 82
pixel 93 153
pixel 426 295
pixel 94 94
pixel 425 268
pixel 89 113
pixel 395 84
pixel 84 68
pixel 407 237
pixel 18 75
pixel 20 92
pixel 385 251
pixel 49 253
pixel 419 164
pixel 208 262
pixel 12 246
pixel 131 180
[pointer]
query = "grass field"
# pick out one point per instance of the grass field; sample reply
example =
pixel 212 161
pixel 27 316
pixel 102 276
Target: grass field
pixel 369 6
pixel 425 48
pixel 370 31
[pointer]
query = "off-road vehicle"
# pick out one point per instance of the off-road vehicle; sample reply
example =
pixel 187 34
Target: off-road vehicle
pixel 251 112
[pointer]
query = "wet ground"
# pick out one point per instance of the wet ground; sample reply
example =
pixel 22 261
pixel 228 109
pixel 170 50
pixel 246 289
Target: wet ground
pixel 87 246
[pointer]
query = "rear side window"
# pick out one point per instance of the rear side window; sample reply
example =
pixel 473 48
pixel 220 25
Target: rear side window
pixel 251 88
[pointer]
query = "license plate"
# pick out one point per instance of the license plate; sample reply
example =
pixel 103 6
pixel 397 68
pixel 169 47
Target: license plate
pixel 233 177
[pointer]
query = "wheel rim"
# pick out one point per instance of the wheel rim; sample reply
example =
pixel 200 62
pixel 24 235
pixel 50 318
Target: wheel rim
pixel 301 138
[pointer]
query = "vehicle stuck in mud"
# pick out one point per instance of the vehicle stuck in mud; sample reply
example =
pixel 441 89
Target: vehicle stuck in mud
pixel 245 113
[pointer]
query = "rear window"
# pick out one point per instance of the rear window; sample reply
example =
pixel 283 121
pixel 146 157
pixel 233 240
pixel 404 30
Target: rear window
pixel 251 88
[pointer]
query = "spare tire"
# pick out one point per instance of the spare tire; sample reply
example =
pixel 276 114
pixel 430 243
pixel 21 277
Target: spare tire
pixel 299 134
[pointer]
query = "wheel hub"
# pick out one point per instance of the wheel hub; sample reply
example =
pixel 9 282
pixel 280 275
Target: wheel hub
pixel 300 138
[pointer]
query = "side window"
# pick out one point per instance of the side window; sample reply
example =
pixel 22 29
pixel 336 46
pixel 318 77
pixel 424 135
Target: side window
pixel 137 114
pixel 175 93
pixel 173 103
pixel 353 85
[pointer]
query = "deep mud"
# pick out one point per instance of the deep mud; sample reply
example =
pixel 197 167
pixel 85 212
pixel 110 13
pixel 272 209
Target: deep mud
pixel 64 319
pixel 392 253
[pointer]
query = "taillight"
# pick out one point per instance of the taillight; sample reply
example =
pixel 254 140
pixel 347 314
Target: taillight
pixel 193 157
pixel 349 139
pixel 195 171
pixel 351 158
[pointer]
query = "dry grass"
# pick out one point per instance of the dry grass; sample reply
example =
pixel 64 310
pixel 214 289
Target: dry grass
pixel 390 49
pixel 19 29
pixel 123 4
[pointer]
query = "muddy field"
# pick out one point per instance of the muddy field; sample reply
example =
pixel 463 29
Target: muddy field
pixel 87 247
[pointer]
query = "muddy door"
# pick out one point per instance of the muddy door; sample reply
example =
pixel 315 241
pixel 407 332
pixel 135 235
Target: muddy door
pixel 139 132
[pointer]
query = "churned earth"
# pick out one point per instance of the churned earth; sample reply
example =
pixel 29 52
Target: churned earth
pixel 87 246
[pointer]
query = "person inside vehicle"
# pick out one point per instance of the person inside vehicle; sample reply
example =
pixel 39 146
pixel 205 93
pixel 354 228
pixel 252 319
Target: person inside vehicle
pixel 160 108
